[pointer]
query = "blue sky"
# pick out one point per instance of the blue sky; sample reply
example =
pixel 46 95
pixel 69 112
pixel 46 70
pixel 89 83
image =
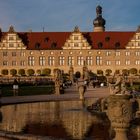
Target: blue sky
pixel 64 15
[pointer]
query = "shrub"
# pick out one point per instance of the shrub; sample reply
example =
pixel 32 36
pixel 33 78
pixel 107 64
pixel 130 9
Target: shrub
pixel 13 72
pixel 108 72
pixel 4 72
pixel 133 71
pixel 46 71
pixel 125 72
pixel 77 74
pixel 38 72
pixel 100 72
pixel 21 72
pixel 30 72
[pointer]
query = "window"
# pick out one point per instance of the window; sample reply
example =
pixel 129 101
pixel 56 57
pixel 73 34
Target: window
pixel 99 60
pixel 5 53
pixel 107 39
pixel 89 52
pixel 80 60
pixel 5 63
pixel 13 53
pixel 61 60
pixel 22 53
pixel 137 62
pixel 11 45
pixel 53 45
pixel 108 62
pixel 51 52
pixel 41 53
pixel 76 44
pixel 37 45
pixel 31 53
pixel 137 53
pixel 70 60
pixel 117 62
pixel 61 52
pixel 14 63
pixel 127 62
pixel 117 45
pixel 108 53
pixel 75 37
pixel 22 63
pixel 117 53
pixel 42 60
pixel 11 38
pixel 70 52
pixel 51 60
pixel 100 45
pixel 31 60
pixel 127 53
pixel 89 60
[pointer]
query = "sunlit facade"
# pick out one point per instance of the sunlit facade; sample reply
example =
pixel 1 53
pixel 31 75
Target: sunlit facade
pixel 98 50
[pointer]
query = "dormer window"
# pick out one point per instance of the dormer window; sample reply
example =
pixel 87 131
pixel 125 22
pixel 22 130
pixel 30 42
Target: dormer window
pixel 117 44
pixel 37 45
pixel 53 45
pixel 107 38
pixel 46 39
pixel 100 45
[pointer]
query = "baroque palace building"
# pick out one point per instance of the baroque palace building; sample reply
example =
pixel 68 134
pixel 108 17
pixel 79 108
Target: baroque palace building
pixel 98 50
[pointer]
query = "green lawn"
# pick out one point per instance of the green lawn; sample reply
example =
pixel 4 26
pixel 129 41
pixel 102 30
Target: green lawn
pixel 28 90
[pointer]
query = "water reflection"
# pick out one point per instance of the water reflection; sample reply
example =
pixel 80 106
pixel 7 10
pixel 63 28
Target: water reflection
pixel 65 119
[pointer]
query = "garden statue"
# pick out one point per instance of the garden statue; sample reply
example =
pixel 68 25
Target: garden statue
pixel 71 72
pixel 57 82
pixel 81 87
pixel 119 87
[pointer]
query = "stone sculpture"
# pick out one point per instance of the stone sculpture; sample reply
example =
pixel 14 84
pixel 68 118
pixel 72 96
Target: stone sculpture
pixel 119 112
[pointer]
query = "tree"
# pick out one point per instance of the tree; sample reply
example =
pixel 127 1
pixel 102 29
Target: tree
pixel 4 72
pixel 108 72
pixel 30 72
pixel 77 74
pixel 92 75
pixel 21 72
pixel 100 72
pixel 46 72
pixel 13 72
pixel 125 72
pixel 54 70
pixel 133 71
pixel 117 71
pixel 38 72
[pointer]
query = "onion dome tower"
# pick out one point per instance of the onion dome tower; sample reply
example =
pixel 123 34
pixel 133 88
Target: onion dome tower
pixel 99 22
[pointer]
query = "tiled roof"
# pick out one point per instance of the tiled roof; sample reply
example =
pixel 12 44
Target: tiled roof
pixel 56 40
pixel 44 40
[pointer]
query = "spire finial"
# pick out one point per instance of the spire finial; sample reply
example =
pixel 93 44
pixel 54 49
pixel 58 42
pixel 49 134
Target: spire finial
pixel 98 10
pixel 11 29
pixel 76 29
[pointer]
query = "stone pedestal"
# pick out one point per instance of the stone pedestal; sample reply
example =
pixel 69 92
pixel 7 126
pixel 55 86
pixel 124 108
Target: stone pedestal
pixel 120 114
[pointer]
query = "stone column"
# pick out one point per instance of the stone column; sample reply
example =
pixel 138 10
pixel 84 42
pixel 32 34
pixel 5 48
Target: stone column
pixel 120 114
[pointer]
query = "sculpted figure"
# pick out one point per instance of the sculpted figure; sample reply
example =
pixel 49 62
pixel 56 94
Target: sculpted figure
pixel 119 87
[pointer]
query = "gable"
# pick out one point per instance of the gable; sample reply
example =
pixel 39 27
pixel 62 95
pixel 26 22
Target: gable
pixel 11 40
pixel 134 42
pixel 76 41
